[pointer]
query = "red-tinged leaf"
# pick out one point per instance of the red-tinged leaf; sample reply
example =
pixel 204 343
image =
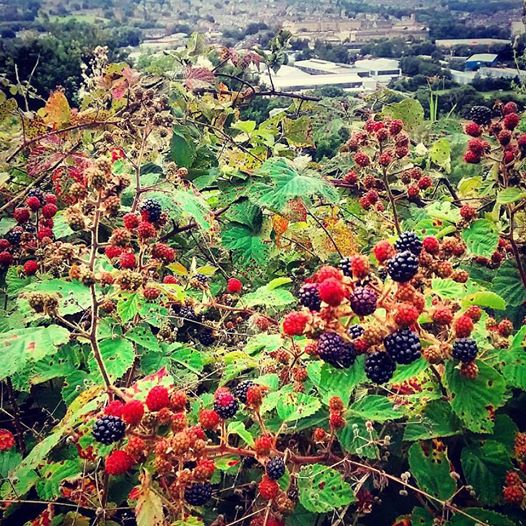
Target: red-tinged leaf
pixel 198 78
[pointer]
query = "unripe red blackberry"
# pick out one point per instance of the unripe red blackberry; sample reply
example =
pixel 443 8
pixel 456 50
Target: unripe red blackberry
pixel 511 121
pixel 268 488
pixel 331 291
pixel 471 157
pixel 385 159
pixel 469 370
pixel 505 328
pixel 463 326
pixel 146 230
pixel 294 323
pixel 362 159
pixel 22 214
pixel 473 129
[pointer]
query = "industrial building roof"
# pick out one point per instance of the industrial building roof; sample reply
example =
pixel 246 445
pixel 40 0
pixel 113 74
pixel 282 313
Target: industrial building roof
pixel 482 57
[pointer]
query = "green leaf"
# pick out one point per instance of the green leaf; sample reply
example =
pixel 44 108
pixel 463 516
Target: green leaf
pixel 421 517
pixel 149 510
pixel 294 406
pixel 410 370
pixel 481 517
pixel 513 361
pixel 481 237
pixel 510 195
pixel 142 335
pixel 48 487
pixel 15 281
pixel 195 206
pixel 301 517
pixel 474 400
pixel 263 342
pixel 485 467
pixel 447 288
pixel 437 420
pixel 508 284
pixel 118 356
pixel 376 408
pixel 248 247
pixel 269 296
pixel 432 472
pixel 410 111
pixel 238 428
pixel 322 489
pixel 9 460
pixel 30 344
pixel 182 150
pixel 440 153
pixel 6 224
pixel 356 438
pixel 128 306
pixel 485 298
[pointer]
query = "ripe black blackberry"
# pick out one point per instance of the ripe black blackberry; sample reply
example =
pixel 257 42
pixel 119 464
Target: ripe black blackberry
pixel 152 209
pixel 206 336
pixel 226 407
pixel 465 349
pixel 198 493
pixel 379 367
pixel 187 313
pixel 363 301
pixel 275 468
pixel 108 429
pixel 14 235
pixel 355 331
pixel 345 266
pixel 409 241
pixel 240 391
pixel 334 350
pixel 38 193
pixel 403 346
pixel 403 266
pixel 480 114
pixel 201 278
pixel 309 296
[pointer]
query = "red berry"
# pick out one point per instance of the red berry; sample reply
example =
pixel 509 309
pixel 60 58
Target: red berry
pixel 504 137
pixel 474 312
pixel 331 291
pixel 509 156
pixel 425 182
pixel 442 315
pixel 511 121
pixel 268 488
pixel 336 404
pixel 164 252
pixel 413 191
pixel 114 408
pixel 44 232
pixel 521 141
pixel 30 267
pixel 372 196
pixel 326 272
pixel 263 446
pixel 505 328
pixel 113 251
pixel 132 412
pixel 151 293
pixel 131 221
pixel 406 315
pixel 383 250
pixel 146 230
pixel 170 280
pixel 127 260
pixel 467 212
pixel 205 469
pixel 362 159
pixel 5 258
pixel 431 245
pixel 50 198
pixel 178 400
pixel 513 494
pixel 463 326
pixel 478 146
pixel 157 398
pixel 385 159
pixel 233 285
pixel 473 129
pixel 22 214
pixel 365 203
pixel 350 177
pixel 7 439
pixel 359 266
pixel 336 420
pixel 512 478
pixel 395 127
pixel 33 203
pixel 509 107
pixel 4 244
pixel 471 157
pixel 208 419
pixel 49 210
pixel 118 462
pixel 402 151
pixel 294 323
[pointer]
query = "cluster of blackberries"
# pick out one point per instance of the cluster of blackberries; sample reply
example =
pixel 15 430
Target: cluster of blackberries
pixel 309 296
pixel 108 429
pixel 151 210
pixel 334 350
pixel 198 493
pixel 409 241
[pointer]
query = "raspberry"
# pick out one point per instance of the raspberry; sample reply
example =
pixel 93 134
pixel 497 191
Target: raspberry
pixel 363 301
pixel 463 326
pixel 225 405
pixel 208 418
pixel 469 370
pixel 240 391
pixel 33 203
pixel 511 121
pixel 275 468
pixel 362 159
pixel 132 412
pixel 49 210
pixel 146 230
pixel 513 494
pixel 113 251
pixel 22 214
pixel 471 157
pixel 295 323
pixel 395 127
pixel 409 241
pixel 163 252
pixel 403 266
pixel 505 328
pixel 7 439
pixel 127 260
pixel 263 445
pixel 108 429
pixel 205 469
pixel 331 291
pixel 30 267
pixel 131 221
pixel 118 462
pixel 473 129
pixel 355 331
pixel 480 114
pixel 178 401
pixel 114 408
pixel 151 210
pixel 465 349
pixel 334 350
pixel 403 346
pixel 474 313
pixel 336 420
pixel 268 488
pixel 383 250
pixel 379 367
pixel 406 314
pixel 326 272
pixel 309 297
pixel 157 398
pixel 198 493
pixel 234 286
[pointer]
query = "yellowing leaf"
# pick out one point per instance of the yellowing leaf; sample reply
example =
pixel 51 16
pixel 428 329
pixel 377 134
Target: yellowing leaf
pixel 57 110
pixel 149 510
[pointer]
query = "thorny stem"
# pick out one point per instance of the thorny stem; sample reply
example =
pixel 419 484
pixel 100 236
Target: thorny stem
pixel 16 416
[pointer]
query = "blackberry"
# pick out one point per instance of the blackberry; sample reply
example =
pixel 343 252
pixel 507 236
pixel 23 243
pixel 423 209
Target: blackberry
pixel 465 349
pixel 355 331
pixel 38 193
pixel 152 209
pixel 409 241
pixel 403 346
pixel 345 266
pixel 480 114
pixel 334 350
pixel 275 468
pixel 226 410
pixel 188 314
pixel 403 266
pixel 382 273
pixel 201 278
pixel 206 336
pixel 198 493
pixel 309 296
pixel 240 391
pixel 379 367
pixel 363 301
pixel 108 429
pixel 14 235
